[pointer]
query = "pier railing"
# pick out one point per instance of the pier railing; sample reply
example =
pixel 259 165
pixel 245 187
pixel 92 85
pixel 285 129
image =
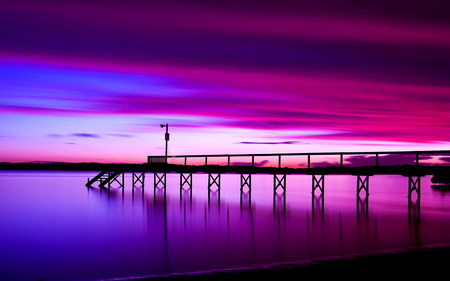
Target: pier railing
pixel 205 159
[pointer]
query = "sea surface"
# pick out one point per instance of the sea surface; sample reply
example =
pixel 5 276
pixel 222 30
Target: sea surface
pixel 52 227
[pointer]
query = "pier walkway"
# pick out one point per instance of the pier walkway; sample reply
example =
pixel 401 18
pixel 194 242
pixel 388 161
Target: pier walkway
pixel 246 165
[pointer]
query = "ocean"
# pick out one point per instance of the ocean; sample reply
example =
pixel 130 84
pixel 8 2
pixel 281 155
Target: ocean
pixel 53 227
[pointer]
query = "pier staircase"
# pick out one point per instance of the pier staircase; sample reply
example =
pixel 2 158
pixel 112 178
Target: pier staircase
pixel 105 178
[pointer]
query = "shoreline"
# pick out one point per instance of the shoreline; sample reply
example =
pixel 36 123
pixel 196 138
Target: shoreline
pixel 406 170
pixel 409 262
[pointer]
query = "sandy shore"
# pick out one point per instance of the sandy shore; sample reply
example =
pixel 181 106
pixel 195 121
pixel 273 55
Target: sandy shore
pixel 430 262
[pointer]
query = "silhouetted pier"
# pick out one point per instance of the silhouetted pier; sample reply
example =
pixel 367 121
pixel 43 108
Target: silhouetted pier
pixel 219 164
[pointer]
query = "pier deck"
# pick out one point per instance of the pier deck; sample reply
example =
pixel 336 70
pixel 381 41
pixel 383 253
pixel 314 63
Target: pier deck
pixel 161 165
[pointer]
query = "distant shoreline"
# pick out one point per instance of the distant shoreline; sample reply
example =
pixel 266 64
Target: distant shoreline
pixel 64 166
pixel 162 167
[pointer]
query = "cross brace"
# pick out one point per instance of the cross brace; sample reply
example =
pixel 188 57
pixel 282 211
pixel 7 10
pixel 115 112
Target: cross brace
pixel 213 180
pixel 186 180
pixel 160 179
pixel 279 182
pixel 362 183
pixel 110 178
pixel 138 178
pixel 318 183
pixel 246 180
pixel 413 185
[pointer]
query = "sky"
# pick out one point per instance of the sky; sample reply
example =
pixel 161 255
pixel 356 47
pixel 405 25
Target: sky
pixel 91 81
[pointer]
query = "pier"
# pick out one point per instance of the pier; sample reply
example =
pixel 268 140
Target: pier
pixel 217 165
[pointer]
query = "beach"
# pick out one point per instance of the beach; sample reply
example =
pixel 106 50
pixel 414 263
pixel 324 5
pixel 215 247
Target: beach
pixel 426 262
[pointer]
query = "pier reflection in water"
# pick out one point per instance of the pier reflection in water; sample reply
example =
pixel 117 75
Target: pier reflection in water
pixel 54 227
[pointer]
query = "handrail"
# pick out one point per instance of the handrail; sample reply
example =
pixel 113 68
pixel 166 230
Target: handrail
pixel 159 159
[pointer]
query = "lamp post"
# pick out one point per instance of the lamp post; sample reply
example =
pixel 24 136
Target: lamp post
pixel 166 137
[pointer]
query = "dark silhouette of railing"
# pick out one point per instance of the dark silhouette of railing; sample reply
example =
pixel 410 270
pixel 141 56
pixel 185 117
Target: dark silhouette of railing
pixel 418 154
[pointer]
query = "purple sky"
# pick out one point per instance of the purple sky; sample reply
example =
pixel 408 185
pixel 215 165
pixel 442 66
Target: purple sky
pixel 92 80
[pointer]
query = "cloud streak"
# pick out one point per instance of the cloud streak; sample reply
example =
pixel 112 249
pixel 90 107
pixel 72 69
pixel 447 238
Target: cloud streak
pixel 256 164
pixel 351 108
pixel 271 143
pixel 77 135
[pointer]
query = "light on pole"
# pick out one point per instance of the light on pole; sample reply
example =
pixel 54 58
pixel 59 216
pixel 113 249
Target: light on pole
pixel 166 137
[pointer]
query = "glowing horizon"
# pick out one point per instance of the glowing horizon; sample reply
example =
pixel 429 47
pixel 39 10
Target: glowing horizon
pixel 91 82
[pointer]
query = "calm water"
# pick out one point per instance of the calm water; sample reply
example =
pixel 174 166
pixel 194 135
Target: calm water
pixel 54 228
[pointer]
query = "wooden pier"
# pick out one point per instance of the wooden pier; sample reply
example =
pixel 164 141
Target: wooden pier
pixel 161 165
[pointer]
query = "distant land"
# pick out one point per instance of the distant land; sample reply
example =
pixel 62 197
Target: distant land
pixel 64 166
pixel 162 167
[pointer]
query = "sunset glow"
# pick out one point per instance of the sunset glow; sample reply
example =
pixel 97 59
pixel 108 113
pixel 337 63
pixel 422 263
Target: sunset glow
pixel 91 81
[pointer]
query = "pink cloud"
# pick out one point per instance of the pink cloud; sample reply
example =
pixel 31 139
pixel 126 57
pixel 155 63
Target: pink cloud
pixel 349 108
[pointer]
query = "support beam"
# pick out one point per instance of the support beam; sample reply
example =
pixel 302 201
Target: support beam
pixel 122 182
pixel 318 182
pixel 413 185
pixel 213 180
pixel 362 184
pixel 186 179
pixel 246 180
pixel 112 177
pixel 160 179
pixel 279 182
pixel 138 178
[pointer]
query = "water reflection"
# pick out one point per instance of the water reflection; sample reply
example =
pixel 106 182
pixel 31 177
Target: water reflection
pixel 246 199
pixel 414 209
pixel 362 206
pixel 318 205
pixel 279 203
pixel 165 228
